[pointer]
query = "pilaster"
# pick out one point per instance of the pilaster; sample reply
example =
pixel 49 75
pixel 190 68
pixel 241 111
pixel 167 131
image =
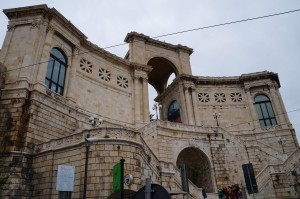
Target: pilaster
pixel 145 100
pixel 195 106
pixel 45 55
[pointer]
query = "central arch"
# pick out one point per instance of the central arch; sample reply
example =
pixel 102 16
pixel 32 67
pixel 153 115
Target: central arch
pixel 159 75
pixel 198 166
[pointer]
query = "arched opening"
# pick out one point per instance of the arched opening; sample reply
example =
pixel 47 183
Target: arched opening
pixel 56 71
pixel 198 166
pixel 171 79
pixel 154 113
pixel 161 72
pixel 264 111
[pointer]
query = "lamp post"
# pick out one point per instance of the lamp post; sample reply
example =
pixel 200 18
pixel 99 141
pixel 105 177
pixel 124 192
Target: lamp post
pixel 155 107
pixel 87 149
pixel 281 141
pixel 93 121
pixel 216 116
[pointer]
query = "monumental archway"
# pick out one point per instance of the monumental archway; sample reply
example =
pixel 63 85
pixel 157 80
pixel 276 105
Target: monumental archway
pixel 198 166
pixel 159 75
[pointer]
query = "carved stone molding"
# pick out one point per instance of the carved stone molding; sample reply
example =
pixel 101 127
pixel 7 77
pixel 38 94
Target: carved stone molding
pixel 10 27
pixel 50 28
pixel 145 79
pixel 76 50
pixel 273 86
pixel 36 24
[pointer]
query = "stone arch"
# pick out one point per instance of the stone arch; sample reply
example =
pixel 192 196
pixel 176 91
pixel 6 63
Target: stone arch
pixel 162 70
pixel 200 169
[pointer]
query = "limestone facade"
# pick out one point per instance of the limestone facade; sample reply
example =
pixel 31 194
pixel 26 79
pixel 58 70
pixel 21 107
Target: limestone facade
pixel 41 129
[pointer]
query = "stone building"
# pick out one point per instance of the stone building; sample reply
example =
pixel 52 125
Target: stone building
pixel 53 80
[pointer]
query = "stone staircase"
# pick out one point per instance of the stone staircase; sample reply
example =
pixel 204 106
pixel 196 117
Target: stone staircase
pixel 281 177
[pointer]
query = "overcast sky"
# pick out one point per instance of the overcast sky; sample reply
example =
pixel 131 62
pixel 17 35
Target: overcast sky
pixel 271 44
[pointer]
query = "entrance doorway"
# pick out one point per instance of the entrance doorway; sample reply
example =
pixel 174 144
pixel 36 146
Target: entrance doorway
pixel 198 166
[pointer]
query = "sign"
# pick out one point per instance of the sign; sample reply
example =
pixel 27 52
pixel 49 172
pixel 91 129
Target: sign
pixel 65 178
pixel 117 177
pixel 250 178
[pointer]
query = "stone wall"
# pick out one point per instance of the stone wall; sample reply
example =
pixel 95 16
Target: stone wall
pixel 110 146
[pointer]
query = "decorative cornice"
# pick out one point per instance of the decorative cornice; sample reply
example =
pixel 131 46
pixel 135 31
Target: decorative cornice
pixel 46 12
pixel 141 67
pixel 36 24
pixel 134 36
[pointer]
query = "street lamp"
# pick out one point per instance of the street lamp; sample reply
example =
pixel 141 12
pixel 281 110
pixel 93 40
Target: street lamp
pixel 93 121
pixel 281 141
pixel 216 116
pixel 155 107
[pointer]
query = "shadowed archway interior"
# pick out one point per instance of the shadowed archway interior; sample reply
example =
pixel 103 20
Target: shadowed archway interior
pixel 198 166
pixel 162 70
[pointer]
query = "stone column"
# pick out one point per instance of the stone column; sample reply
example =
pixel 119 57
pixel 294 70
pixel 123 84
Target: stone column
pixel 7 40
pixel 183 109
pixel 70 81
pixel 188 105
pixel 137 107
pixel 278 111
pixel 29 68
pixel 251 107
pixel 195 107
pixel 45 55
pixel 145 100
pixel 282 105
pixel 40 47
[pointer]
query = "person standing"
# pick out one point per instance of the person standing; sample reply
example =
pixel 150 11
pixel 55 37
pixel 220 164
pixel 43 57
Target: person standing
pixel 220 193
pixel 204 193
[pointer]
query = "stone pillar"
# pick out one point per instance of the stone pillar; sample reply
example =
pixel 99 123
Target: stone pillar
pixel 40 47
pixel 45 55
pixel 251 107
pixel 70 81
pixel 195 107
pixel 183 109
pixel 7 40
pixel 286 117
pixel 145 100
pixel 278 111
pixel 29 68
pixel 188 105
pixel 137 106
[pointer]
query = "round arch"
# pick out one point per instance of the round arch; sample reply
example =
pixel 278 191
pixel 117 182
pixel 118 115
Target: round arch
pixel 199 167
pixel 162 70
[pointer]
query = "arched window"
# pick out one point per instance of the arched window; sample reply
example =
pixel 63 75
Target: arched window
pixel 265 111
pixel 174 112
pixel 56 71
